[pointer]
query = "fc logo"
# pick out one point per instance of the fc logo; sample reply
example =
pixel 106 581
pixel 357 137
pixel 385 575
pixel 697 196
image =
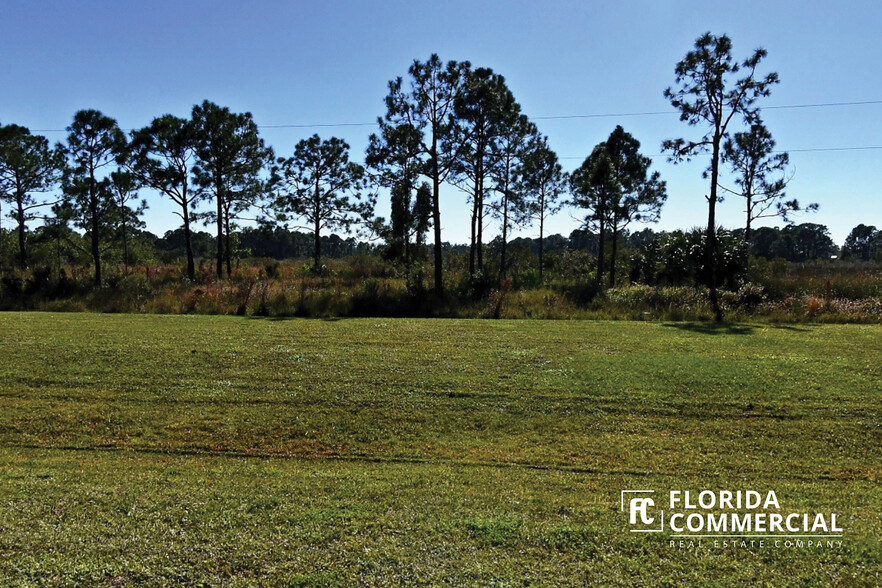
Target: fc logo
pixel 640 506
pixel 642 513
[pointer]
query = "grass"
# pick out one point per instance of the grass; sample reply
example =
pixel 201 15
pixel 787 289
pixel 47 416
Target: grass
pixel 822 292
pixel 167 450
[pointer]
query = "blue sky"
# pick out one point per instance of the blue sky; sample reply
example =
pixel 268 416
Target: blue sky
pixel 329 63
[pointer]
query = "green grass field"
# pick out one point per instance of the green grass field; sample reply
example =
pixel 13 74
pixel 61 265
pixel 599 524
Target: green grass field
pixel 222 451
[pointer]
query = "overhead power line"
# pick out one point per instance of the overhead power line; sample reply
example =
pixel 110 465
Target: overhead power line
pixel 549 117
pixel 662 112
pixel 370 124
pixel 823 104
pixel 808 150
pixel 831 149
pixel 602 115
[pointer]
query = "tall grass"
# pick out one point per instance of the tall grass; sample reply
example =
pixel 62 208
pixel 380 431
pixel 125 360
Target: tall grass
pixel 366 286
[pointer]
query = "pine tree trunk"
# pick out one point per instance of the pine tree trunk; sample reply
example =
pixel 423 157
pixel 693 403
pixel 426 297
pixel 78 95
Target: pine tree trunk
pixel 612 260
pixel 541 239
pixel 711 245
pixel 479 197
pixel 480 244
pixel 316 212
pixel 125 249
pixel 504 221
pixel 473 250
pixel 317 245
pixel 188 244
pixel 229 250
pixel 407 261
pixel 22 237
pixel 1 232
pixel 600 247
pixel 58 250
pixel 614 252
pixel 436 217
pixel 93 210
pixel 220 225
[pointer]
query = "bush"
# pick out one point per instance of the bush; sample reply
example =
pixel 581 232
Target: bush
pixel 750 296
pixel 474 288
pixel 678 259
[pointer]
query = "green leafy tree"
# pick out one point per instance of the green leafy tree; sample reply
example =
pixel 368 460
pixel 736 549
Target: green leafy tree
pixel 516 133
pixel 707 96
pixel 230 156
pixel 393 156
pixel 320 185
pixel 543 183
pixel 480 113
pixel 408 224
pixel 803 242
pixel 618 187
pixel 64 243
pixel 590 185
pixel 864 242
pixel 162 156
pixel 761 240
pixel 636 195
pixel 124 187
pixel 94 145
pixel 427 105
pixel 677 258
pixel 27 166
pixel 759 175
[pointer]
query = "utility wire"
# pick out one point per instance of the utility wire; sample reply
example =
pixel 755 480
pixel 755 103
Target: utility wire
pixel 830 149
pixel 823 104
pixel 556 117
pixel 659 112
pixel 809 150
pixel 371 124
pixel 604 115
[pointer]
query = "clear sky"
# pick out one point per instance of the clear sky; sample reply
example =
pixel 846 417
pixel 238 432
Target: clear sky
pixel 317 63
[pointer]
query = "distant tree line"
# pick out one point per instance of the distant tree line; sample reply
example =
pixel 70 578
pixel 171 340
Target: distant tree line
pixel 444 122
pixel 796 243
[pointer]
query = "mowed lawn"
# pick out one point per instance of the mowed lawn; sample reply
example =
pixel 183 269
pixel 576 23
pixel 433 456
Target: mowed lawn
pixel 227 451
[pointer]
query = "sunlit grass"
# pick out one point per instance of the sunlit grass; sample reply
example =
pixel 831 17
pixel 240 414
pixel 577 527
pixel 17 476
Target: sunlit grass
pixel 237 451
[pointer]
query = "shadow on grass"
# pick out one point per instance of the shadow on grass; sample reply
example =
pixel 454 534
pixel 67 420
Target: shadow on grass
pixel 257 317
pixel 277 318
pixel 713 328
pixel 790 328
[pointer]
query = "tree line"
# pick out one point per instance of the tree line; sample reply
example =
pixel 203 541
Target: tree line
pixel 444 122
